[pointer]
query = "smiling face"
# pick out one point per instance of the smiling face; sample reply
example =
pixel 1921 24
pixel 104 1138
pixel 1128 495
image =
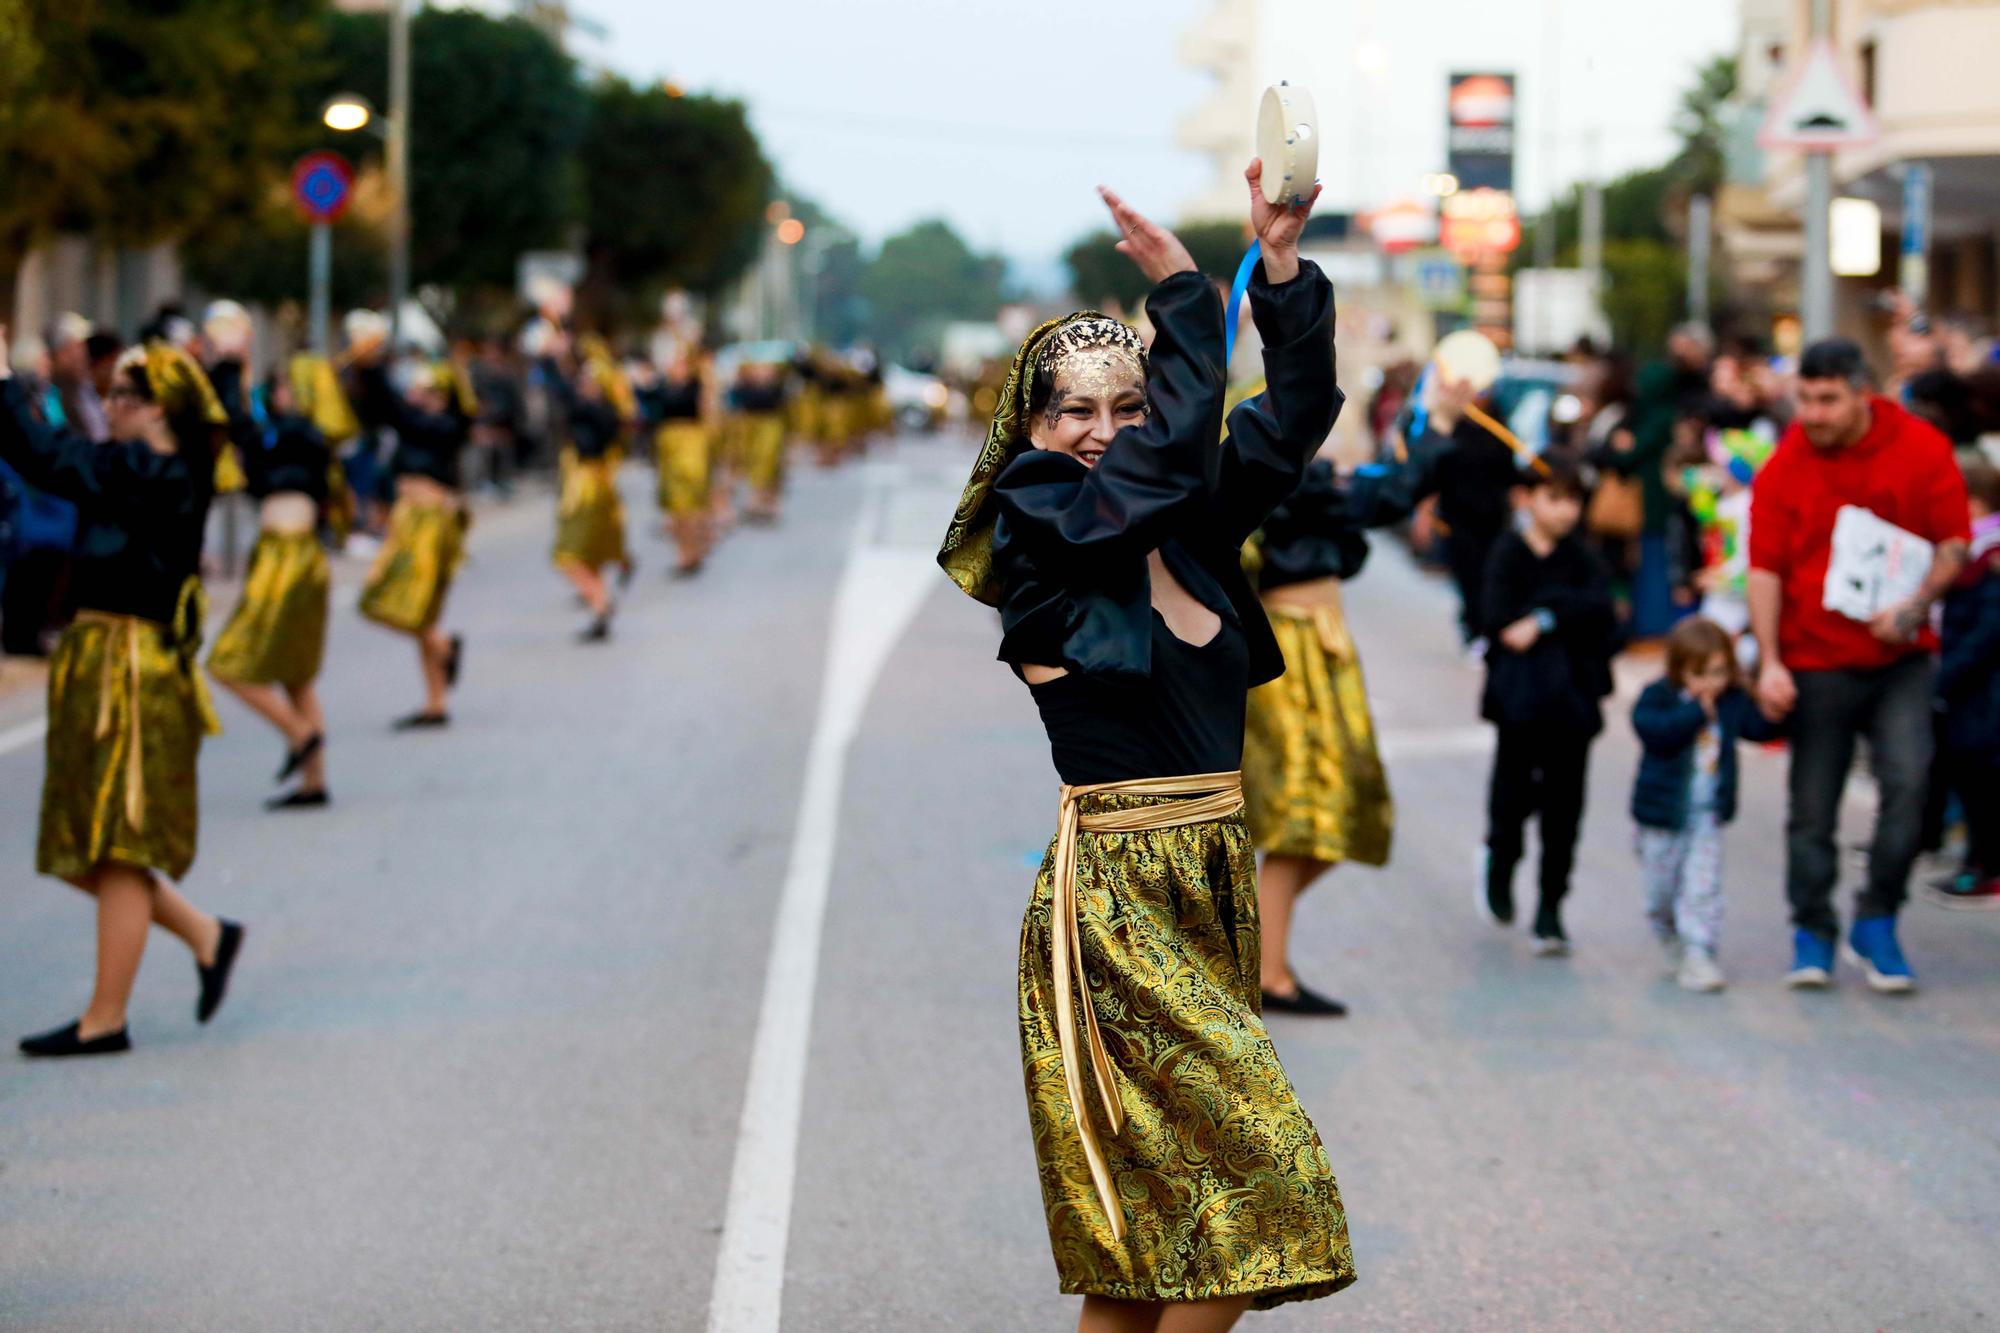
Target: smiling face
pixel 1094 375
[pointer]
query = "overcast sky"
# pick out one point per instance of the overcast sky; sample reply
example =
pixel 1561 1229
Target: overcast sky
pixel 1001 115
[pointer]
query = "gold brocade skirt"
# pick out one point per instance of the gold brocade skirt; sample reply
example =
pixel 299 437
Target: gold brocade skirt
pixel 764 452
pixel 126 721
pixel 685 459
pixel 590 526
pixel 1313 783
pixel 414 569
pixel 277 634
pixel 1225 1185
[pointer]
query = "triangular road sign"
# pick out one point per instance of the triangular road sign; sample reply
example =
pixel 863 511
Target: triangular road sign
pixel 1819 109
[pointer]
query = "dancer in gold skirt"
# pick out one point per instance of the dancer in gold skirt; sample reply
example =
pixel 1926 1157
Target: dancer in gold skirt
pixel 685 441
pixel 590 523
pixel 759 404
pixel 1182 1181
pixel 127 707
pixel 269 653
pixel 425 544
pixel 1314 788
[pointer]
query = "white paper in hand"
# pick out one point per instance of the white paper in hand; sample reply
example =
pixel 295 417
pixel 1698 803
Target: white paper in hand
pixel 1874 565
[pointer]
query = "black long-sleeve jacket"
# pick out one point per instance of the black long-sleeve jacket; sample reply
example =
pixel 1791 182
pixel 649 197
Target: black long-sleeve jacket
pixel 1318 532
pixel 289 454
pixel 1560 679
pixel 428 444
pixel 139 513
pixel 1070 542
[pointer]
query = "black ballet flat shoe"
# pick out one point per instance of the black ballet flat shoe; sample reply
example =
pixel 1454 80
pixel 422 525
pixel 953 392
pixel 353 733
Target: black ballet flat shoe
pixel 215 977
pixel 1304 1001
pixel 297 759
pixel 454 656
pixel 67 1041
pixel 421 721
pixel 599 631
pixel 300 800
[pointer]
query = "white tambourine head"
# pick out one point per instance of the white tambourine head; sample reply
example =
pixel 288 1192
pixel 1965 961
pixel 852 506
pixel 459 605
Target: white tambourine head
pixel 1468 355
pixel 1288 142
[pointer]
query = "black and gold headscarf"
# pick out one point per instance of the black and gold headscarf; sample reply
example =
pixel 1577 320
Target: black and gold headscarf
pixel 180 386
pixel 967 552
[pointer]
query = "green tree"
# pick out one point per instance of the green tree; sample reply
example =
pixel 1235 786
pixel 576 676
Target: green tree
pixel 674 195
pixel 496 114
pixel 1703 126
pixel 138 122
pixel 923 278
pixel 1100 275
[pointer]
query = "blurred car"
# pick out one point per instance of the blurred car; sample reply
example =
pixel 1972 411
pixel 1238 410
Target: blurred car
pixel 918 400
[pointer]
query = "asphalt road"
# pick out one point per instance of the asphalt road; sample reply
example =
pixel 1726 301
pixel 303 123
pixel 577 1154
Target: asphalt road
pixel 506 1049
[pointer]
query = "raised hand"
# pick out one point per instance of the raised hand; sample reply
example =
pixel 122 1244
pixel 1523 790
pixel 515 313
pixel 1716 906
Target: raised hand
pixel 1277 226
pixel 1157 251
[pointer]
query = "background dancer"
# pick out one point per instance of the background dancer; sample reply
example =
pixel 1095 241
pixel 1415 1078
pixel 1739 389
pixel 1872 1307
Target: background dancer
pixel 269 654
pixel 426 541
pixel 127 708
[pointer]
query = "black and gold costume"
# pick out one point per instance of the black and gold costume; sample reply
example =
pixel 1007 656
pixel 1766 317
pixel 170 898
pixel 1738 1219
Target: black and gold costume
pixel 426 540
pixel 127 707
pixel 1187 1171
pixel 685 446
pixel 1313 781
pixel 277 634
pixel 590 524
pixel 760 408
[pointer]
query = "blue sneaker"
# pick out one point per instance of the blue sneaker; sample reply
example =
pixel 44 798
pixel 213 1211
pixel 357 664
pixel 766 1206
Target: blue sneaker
pixel 1872 945
pixel 1812 961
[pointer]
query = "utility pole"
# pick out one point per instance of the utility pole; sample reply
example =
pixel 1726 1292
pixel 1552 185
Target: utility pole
pixel 1816 270
pixel 399 166
pixel 1590 243
pixel 1700 228
pixel 319 262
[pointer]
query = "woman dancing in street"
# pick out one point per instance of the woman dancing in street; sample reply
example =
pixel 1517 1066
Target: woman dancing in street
pixel 685 442
pixel 269 653
pixel 413 571
pixel 1105 522
pixel 127 707
pixel 590 523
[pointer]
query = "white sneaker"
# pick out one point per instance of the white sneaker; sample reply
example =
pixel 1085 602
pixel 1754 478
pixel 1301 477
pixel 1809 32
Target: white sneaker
pixel 1671 949
pixel 1551 946
pixel 1698 972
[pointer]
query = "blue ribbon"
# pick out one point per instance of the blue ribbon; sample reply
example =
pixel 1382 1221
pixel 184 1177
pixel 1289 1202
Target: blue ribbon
pixel 1235 306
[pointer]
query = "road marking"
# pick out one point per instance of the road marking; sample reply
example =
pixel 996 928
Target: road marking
pixel 880 591
pixel 26 734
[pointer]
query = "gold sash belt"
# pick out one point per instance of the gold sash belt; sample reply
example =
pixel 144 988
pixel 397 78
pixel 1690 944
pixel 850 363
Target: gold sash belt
pixel 1208 796
pixel 120 674
pixel 1326 621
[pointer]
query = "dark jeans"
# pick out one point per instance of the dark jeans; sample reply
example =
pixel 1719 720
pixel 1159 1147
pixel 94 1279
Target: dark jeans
pixel 1465 551
pixel 1541 771
pixel 1891 706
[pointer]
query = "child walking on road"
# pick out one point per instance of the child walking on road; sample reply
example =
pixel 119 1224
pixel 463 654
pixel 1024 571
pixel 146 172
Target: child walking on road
pixel 1548 615
pixel 1685 792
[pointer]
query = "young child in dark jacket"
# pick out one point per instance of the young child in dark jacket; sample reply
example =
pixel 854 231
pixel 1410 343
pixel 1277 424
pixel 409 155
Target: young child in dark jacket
pixel 1685 792
pixel 1551 632
pixel 1968 696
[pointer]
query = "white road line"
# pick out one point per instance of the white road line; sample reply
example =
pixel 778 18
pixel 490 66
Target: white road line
pixel 26 734
pixel 880 591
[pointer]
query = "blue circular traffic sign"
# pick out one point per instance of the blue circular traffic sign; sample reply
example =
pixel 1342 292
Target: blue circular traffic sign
pixel 322 183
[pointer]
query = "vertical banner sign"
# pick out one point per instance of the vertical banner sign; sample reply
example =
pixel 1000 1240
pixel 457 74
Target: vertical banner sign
pixel 1914 270
pixel 1479 131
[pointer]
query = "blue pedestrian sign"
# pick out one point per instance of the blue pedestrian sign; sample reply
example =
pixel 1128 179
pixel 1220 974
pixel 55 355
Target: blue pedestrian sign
pixel 321 184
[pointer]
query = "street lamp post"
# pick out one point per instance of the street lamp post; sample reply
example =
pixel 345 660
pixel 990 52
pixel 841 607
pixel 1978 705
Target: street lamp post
pixel 1816 274
pixel 398 141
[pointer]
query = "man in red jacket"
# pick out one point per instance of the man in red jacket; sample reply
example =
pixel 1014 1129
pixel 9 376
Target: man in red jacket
pixel 1838 678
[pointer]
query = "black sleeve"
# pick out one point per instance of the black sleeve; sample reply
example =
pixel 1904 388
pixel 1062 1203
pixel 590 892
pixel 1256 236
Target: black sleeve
pixel 1503 600
pixel 1274 435
pixel 1384 493
pixel 1666 720
pixel 104 477
pixel 1749 721
pixel 1154 475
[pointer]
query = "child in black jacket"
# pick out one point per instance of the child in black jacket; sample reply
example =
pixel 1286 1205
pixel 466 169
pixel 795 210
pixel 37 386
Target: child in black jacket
pixel 1551 633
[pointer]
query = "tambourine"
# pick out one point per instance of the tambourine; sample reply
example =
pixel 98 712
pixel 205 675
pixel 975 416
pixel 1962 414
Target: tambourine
pixel 1288 142
pixel 1468 356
